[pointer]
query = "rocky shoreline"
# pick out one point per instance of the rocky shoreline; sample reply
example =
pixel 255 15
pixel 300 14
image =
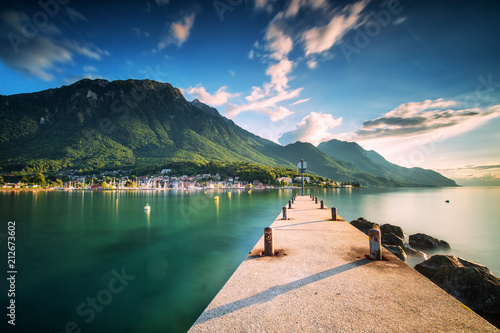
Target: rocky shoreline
pixel 470 283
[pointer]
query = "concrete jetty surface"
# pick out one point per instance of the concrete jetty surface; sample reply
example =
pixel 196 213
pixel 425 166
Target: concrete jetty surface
pixel 321 280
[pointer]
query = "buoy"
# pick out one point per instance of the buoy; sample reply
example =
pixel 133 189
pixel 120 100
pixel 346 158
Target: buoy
pixel 447 201
pixel 216 198
pixel 147 207
pixel 228 194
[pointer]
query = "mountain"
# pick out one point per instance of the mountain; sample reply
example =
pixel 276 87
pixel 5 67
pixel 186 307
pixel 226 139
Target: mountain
pixel 371 162
pixel 102 125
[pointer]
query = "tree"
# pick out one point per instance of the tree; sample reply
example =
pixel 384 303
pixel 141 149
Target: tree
pixel 39 179
pixel 105 185
pixel 59 183
pixel 130 183
pixel 1 181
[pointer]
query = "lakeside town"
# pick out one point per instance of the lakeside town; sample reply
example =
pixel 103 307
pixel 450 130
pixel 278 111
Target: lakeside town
pixel 116 180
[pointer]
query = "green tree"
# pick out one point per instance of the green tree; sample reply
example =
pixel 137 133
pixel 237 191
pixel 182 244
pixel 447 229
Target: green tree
pixel 1 181
pixel 59 182
pixel 39 179
pixel 130 183
pixel 104 185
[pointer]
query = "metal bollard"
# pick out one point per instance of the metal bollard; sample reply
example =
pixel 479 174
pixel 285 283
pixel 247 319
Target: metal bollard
pixel 322 205
pixel 285 217
pixel 310 195
pixel 375 248
pixel 293 199
pixel 334 214
pixel 316 199
pixel 289 204
pixel 268 242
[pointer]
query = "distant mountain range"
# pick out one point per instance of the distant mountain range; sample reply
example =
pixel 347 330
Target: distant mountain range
pixel 101 125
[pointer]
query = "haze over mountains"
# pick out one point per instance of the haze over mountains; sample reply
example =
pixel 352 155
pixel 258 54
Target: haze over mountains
pixel 101 125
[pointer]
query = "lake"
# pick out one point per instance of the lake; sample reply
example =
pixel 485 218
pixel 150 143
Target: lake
pixel 97 261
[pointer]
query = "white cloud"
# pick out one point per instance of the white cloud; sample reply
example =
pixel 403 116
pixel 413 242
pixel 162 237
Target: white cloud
pixel 295 5
pixel 314 128
pixel 279 43
pixel 178 32
pixel 399 20
pixel 280 113
pixel 220 97
pixel 321 39
pixel 312 64
pixel 251 54
pixel 232 73
pixel 300 101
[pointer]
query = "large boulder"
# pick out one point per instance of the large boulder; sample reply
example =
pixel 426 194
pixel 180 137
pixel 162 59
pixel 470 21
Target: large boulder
pixel 397 250
pixel 389 228
pixel 392 239
pixel 470 283
pixel 364 225
pixel 426 242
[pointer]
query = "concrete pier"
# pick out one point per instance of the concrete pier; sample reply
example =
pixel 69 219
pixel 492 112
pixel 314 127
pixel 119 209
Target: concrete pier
pixel 321 279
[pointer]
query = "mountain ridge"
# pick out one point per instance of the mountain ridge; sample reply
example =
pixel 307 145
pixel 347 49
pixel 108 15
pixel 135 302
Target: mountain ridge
pixel 98 124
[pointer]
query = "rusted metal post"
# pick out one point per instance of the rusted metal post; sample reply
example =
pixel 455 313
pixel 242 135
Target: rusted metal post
pixel 334 214
pixel 322 204
pixel 375 248
pixel 285 217
pixel 316 199
pixel 268 242
pixel 289 204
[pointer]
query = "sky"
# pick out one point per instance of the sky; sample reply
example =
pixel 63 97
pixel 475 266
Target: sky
pixel 416 81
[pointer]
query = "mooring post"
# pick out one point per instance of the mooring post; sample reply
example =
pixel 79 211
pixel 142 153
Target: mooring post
pixel 289 204
pixel 316 199
pixel 375 248
pixel 310 195
pixel 268 242
pixel 322 204
pixel 293 199
pixel 285 217
pixel 334 214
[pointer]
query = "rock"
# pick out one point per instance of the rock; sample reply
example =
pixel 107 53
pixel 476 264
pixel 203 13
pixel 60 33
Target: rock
pixel 364 225
pixel 389 228
pixel 426 242
pixel 411 252
pixel 392 239
pixel 470 283
pixel 397 250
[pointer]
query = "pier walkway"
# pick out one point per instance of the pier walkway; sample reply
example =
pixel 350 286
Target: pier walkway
pixel 322 281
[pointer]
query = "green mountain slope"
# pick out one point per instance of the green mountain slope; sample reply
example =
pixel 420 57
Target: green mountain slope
pixel 373 163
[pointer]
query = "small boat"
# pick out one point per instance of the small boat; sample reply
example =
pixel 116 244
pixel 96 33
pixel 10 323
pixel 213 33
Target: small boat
pixel 147 207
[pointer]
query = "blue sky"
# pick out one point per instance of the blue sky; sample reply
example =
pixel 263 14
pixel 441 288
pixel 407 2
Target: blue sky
pixel 417 81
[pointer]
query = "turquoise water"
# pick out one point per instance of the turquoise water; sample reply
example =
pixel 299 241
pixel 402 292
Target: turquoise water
pixel 98 262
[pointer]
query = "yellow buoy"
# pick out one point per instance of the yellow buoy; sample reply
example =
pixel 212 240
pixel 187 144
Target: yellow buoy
pixel 216 198
pixel 229 194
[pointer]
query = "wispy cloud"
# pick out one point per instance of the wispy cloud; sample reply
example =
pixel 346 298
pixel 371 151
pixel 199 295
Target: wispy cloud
pixel 314 128
pixel 321 39
pixel 44 53
pixel 74 15
pixel 178 32
pixel 220 97
pixel 412 119
pixel 300 101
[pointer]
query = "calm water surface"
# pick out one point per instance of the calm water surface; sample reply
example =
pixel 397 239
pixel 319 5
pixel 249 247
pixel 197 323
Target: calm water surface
pixel 97 259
